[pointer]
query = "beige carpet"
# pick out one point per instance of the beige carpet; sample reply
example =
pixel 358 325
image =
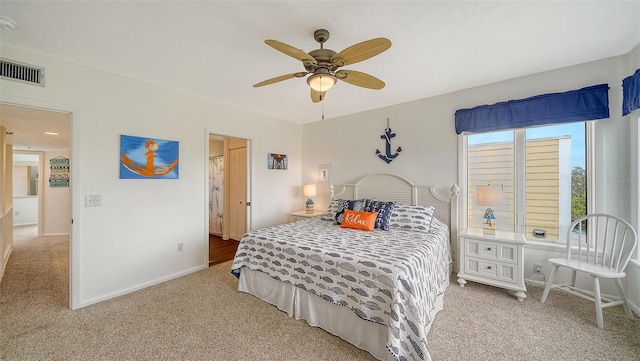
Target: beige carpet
pixel 24 233
pixel 202 317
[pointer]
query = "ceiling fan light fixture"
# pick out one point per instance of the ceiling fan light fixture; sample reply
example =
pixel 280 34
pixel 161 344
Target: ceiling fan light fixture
pixel 321 82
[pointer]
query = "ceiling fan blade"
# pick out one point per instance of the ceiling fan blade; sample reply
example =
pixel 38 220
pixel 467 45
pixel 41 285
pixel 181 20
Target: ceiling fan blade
pixel 280 78
pixel 360 79
pixel 291 51
pixel 361 51
pixel 317 96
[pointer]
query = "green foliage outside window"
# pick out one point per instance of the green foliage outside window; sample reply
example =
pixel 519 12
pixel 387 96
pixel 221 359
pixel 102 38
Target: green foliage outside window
pixel 578 193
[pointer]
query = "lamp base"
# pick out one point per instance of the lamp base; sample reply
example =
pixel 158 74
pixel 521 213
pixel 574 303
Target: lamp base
pixel 309 206
pixel 489 222
pixel 489 231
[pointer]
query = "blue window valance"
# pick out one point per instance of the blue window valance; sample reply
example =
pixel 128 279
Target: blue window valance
pixel 631 93
pixel 588 103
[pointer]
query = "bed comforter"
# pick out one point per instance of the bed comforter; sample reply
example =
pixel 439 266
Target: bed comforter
pixel 387 277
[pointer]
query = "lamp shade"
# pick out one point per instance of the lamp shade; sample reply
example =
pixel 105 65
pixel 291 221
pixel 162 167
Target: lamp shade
pixel 321 82
pixel 309 190
pixel 489 195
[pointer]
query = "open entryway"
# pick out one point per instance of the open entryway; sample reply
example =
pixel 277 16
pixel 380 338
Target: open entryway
pixel 36 196
pixel 229 195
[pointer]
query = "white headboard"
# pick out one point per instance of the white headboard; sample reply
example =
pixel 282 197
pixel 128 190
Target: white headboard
pixel 391 187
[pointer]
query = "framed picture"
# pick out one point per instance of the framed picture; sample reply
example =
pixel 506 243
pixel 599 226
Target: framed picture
pixel 59 176
pixel 324 176
pixel 277 161
pixel 148 158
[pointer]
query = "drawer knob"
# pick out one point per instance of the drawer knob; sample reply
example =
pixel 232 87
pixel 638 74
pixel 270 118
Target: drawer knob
pixel 488 267
pixel 488 248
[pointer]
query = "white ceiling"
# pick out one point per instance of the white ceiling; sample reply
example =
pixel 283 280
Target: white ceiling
pixel 216 49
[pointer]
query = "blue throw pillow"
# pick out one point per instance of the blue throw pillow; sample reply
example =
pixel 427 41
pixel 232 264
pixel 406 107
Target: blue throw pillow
pixel 356 205
pixel 384 210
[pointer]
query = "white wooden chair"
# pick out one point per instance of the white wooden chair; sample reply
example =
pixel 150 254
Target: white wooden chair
pixel 599 245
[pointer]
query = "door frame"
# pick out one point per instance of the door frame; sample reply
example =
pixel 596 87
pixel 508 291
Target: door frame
pixel 75 287
pixel 249 187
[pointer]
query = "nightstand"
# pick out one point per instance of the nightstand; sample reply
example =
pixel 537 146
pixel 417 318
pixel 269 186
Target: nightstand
pixel 495 260
pixel 298 216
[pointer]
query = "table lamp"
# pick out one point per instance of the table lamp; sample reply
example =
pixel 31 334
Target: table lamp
pixel 309 190
pixel 490 196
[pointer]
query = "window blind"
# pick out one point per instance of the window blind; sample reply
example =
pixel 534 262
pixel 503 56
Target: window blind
pixel 588 103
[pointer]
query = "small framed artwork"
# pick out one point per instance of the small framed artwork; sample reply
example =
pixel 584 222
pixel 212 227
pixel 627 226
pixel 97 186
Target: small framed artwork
pixel 324 176
pixel 148 158
pixel 277 161
pixel 59 176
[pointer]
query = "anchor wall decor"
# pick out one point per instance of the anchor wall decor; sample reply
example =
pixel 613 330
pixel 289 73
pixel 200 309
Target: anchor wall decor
pixel 148 158
pixel 387 136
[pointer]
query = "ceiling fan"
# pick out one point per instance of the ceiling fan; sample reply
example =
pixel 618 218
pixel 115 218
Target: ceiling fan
pixel 323 64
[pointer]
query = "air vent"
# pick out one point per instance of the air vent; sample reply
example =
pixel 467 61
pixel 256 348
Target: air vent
pixel 24 73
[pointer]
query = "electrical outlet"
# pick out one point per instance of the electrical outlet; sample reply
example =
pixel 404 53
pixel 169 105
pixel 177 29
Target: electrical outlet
pixel 180 247
pixel 537 267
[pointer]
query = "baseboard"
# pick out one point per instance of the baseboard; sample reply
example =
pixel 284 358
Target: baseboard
pixel 55 234
pixel 25 224
pixel 141 286
pixel 535 283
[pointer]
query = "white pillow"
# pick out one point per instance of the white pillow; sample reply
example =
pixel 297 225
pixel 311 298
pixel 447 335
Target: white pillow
pixel 411 218
pixel 330 213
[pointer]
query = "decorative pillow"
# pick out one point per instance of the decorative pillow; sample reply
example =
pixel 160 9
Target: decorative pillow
pixel 384 210
pixel 356 205
pixel 412 218
pixel 330 213
pixel 359 220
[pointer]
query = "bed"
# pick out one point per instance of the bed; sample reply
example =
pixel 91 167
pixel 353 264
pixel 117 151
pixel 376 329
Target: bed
pixel 379 290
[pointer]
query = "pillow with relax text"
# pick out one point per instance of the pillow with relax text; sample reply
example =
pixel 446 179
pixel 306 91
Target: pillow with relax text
pixel 359 220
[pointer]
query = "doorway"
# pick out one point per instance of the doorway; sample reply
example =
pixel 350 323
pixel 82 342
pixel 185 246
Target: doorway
pixel 229 195
pixel 45 134
pixel 26 191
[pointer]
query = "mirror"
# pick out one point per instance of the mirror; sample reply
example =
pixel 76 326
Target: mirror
pixel 26 175
pixel 32 176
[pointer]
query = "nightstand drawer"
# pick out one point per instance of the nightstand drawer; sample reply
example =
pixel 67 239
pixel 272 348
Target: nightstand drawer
pixel 491 250
pixel 494 270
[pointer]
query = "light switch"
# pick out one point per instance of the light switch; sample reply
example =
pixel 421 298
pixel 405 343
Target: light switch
pixel 92 200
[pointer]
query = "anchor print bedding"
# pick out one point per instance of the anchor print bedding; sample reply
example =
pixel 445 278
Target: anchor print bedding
pixel 387 277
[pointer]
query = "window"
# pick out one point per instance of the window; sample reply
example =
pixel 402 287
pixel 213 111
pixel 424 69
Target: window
pixel 543 174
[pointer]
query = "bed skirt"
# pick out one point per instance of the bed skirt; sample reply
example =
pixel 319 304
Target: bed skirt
pixel 335 319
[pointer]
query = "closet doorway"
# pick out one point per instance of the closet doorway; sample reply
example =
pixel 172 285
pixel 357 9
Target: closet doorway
pixel 229 205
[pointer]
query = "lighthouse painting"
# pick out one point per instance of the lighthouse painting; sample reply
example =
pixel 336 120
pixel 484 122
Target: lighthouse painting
pixel 148 158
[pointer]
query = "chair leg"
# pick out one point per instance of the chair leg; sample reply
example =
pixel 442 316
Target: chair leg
pixel 623 294
pixel 547 288
pixel 598 300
